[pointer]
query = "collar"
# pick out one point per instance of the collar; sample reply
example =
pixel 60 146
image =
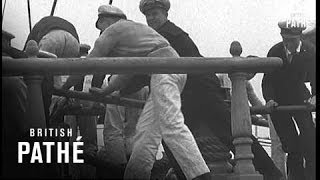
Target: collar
pixel 169 28
pixel 297 50
pixel 163 25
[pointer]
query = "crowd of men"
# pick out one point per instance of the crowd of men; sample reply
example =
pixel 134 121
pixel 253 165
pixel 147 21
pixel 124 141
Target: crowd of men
pixel 178 106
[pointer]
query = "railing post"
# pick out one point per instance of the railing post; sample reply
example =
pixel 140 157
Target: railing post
pixel 241 124
pixel 35 110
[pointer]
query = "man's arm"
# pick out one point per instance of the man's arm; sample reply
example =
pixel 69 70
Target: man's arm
pixel 252 96
pixel 136 83
pixel 267 87
pixel 103 45
pixel 116 83
pixel 72 81
pixel 106 42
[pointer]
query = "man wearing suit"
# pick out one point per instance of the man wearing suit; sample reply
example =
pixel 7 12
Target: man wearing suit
pixel 286 86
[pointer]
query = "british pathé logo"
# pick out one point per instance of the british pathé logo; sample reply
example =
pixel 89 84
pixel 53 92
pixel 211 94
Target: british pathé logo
pixel 296 20
pixel 42 152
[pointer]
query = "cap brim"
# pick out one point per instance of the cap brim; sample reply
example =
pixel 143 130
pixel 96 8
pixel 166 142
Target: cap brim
pixel 290 35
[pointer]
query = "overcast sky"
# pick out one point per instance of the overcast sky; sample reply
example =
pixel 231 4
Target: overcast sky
pixel 212 24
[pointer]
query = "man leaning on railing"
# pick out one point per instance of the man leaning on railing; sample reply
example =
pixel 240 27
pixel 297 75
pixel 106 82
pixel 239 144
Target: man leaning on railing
pixel 161 117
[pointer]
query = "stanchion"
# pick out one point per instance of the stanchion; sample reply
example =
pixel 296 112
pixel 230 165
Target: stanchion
pixel 35 110
pixel 241 125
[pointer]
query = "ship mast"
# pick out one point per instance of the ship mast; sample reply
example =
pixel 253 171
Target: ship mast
pixel 53 7
pixel 29 15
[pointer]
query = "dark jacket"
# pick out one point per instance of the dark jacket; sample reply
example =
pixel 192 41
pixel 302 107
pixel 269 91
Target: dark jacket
pixel 199 88
pixel 287 84
pixel 179 40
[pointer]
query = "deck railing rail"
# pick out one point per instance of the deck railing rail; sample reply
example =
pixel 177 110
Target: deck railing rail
pixel 34 68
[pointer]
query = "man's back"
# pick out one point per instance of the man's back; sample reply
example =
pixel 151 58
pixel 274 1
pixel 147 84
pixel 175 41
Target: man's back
pixel 133 39
pixel 58 36
pixel 127 38
pixel 201 85
pixel 179 40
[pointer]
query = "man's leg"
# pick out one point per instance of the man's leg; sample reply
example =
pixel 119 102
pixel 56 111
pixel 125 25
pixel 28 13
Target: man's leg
pixel 216 115
pixel 114 145
pixel 146 143
pixel 165 92
pixel 278 156
pixel 131 119
pixel 173 162
pixel 307 140
pixel 288 135
pixel 88 131
pixel 263 163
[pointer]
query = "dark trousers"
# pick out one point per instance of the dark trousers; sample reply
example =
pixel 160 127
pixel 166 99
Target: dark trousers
pixel 215 113
pixel 298 146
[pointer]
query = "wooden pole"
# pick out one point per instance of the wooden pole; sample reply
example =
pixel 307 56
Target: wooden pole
pixel 35 110
pixel 291 108
pixel 107 99
pixel 128 102
pixel 129 65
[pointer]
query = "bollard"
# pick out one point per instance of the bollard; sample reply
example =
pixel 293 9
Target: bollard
pixel 35 110
pixel 241 123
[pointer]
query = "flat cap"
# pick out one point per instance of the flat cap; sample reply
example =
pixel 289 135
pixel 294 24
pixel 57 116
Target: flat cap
pixel 149 4
pixel 109 10
pixel 291 28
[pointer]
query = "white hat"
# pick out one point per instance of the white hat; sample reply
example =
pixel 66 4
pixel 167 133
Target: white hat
pixel 109 10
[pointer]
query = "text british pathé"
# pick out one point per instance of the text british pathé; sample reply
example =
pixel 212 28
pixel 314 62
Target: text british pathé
pixel 43 155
